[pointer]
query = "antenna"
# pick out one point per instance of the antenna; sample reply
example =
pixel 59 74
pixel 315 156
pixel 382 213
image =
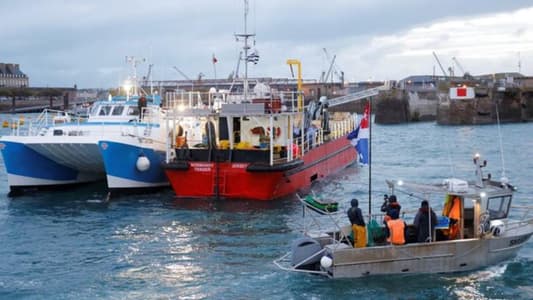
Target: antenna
pixel 504 178
pixel 134 62
pixel 519 63
pixel 252 57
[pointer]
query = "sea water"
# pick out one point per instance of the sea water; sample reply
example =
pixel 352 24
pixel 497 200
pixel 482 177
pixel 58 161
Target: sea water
pixel 71 244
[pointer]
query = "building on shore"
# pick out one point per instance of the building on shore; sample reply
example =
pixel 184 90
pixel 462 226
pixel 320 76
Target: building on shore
pixel 12 76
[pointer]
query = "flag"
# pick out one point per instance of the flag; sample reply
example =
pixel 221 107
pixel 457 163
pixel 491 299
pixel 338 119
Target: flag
pixel 253 57
pixel 359 137
pixel 215 60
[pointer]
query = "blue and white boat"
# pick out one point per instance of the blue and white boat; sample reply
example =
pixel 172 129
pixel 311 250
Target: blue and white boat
pixel 56 149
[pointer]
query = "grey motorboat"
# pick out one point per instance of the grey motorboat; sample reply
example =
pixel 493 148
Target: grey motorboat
pixel 487 234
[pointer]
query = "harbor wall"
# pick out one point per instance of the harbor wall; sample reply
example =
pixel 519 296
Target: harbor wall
pixel 508 103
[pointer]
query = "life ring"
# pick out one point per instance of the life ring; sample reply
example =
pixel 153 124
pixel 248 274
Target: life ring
pixel 258 130
pixel 277 131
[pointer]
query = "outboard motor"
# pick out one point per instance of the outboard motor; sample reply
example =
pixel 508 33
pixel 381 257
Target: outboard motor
pixel 306 250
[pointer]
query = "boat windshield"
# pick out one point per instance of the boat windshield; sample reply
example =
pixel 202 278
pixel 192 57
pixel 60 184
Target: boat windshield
pixel 133 111
pixel 498 207
pixel 117 110
pixel 104 110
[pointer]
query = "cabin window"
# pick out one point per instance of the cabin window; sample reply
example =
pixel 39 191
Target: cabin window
pixel 117 110
pixel 93 110
pixel 133 111
pixel 104 110
pixel 498 207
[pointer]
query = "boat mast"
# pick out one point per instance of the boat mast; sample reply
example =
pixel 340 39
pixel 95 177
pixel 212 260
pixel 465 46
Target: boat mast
pixel 245 35
pixel 369 158
pixel 134 62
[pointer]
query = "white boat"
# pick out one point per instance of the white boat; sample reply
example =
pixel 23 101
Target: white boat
pixel 56 149
pixel 487 234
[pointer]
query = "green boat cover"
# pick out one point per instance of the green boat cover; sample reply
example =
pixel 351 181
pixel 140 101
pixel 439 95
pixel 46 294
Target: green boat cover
pixel 320 205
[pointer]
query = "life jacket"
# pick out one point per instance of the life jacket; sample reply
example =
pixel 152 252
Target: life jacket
pixel 455 211
pixel 396 229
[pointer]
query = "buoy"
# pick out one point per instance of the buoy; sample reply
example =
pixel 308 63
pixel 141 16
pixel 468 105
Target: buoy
pixel 143 163
pixel 326 262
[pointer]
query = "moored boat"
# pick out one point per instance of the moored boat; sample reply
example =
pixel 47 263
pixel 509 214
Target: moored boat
pixel 250 150
pixel 58 149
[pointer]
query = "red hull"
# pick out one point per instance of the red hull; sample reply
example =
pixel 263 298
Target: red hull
pixel 233 181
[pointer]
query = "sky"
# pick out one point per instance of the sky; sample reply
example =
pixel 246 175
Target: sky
pixel 62 43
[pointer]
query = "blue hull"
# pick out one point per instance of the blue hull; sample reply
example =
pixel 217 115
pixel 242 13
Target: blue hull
pixel 120 161
pixel 27 168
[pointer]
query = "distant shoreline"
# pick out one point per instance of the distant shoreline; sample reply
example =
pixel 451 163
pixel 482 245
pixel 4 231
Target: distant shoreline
pixel 6 105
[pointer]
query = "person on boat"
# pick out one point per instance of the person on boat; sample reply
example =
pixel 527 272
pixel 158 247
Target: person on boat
pixel 423 218
pixel 141 103
pixel 396 230
pixel 311 135
pixel 452 209
pixel 358 224
pixel 391 208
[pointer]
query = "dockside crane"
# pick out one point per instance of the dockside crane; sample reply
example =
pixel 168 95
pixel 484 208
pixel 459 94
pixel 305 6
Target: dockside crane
pixel 181 73
pixel 333 68
pixel 184 76
pixel 458 65
pixel 466 74
pixel 440 65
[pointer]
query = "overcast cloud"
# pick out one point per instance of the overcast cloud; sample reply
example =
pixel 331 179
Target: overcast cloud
pixel 62 43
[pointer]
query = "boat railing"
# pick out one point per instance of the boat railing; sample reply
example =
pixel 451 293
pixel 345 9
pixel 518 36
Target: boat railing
pixel 524 214
pixel 275 102
pixel 186 99
pixel 46 119
pixel 313 226
pixel 342 127
pixel 317 136
pixel 151 115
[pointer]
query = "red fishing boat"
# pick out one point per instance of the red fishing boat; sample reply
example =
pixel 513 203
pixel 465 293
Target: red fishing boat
pixel 248 151
pixel 258 144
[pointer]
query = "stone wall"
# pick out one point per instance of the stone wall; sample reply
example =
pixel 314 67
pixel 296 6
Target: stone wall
pixel 392 109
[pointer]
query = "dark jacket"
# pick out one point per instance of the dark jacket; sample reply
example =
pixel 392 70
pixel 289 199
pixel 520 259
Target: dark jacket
pixel 356 216
pixel 392 209
pixel 422 223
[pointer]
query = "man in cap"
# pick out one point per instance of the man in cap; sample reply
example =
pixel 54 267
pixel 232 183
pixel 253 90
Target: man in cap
pixel 358 224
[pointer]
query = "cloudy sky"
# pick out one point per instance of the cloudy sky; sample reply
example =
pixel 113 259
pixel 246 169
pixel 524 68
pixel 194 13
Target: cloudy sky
pixel 67 42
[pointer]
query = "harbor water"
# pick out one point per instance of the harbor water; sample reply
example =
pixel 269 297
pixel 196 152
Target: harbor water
pixel 71 244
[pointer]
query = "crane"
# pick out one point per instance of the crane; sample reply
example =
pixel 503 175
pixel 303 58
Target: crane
pixel 184 76
pixel 459 65
pixel 329 70
pixel 440 65
pixel 149 73
pixel 181 73
pixel 333 68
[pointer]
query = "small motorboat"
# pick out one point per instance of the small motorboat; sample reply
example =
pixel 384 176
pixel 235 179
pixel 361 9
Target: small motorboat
pixel 485 234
